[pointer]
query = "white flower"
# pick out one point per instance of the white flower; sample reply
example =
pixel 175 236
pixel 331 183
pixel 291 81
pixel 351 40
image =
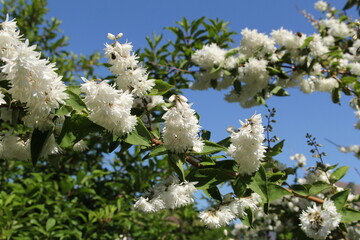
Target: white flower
pixel 288 39
pixel 256 44
pixel 181 129
pixel 247 145
pixel 33 81
pixel 130 75
pixel 353 148
pixel 336 28
pixel 318 222
pixel 12 147
pixel 321 6
pixel 317 175
pixel 109 108
pixel 300 158
pixel 170 194
pixel 355 68
pixel 209 56
pixel 80 146
pixel 217 218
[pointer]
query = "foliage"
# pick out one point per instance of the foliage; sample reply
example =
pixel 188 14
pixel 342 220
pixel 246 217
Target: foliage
pixel 91 194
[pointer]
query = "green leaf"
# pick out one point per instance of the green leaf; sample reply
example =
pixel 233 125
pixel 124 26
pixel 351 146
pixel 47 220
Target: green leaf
pixel 259 185
pixel 276 192
pixel 211 147
pixel 348 79
pixel 160 88
pixel 237 86
pixel 159 150
pixel 140 136
pixel 335 95
pixel 339 173
pixel 214 193
pixel 50 223
pixel 302 190
pixel 340 199
pixel 248 219
pixel 349 215
pixel 279 91
pixel 74 99
pixel 37 143
pixel 240 184
pixel 275 150
pixel 318 187
pixel 76 128
pixel 307 41
pixel 177 164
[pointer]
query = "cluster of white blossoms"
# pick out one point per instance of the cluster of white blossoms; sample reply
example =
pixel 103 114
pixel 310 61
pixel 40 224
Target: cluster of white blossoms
pixel 300 158
pixel 33 81
pixel 181 128
pixel 247 147
pixel 353 148
pixel 317 222
pixel 130 74
pixel 209 56
pixel 109 107
pixel 316 175
pixel 14 148
pixel 230 209
pixel 321 5
pixel 259 53
pixel 167 195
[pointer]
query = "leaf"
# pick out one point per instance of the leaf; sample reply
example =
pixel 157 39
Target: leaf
pixel 211 147
pixel 159 150
pixel 76 128
pixel 259 185
pixel 349 215
pixel 74 100
pixel 240 184
pixel 237 86
pixel 318 187
pixel 275 150
pixel 214 193
pixel 160 88
pixel 335 95
pixel 340 199
pixel 248 219
pixel 339 173
pixel 50 223
pixel 307 41
pixel 178 165
pixel 37 143
pixel 140 136
pixel 302 190
pixel 276 192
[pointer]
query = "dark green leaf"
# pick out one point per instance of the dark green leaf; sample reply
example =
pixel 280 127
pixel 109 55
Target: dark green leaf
pixel 37 143
pixel 160 88
pixel 339 173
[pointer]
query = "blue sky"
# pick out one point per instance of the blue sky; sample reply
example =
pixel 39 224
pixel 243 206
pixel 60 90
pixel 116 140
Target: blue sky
pixel 87 22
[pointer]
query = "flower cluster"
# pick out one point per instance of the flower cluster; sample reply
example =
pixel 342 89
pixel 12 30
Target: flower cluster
pixel 130 74
pixel 109 107
pixel 168 195
pixel 33 81
pixel 300 158
pixel 318 222
pixel 181 129
pixel 228 210
pixel 263 61
pixel 247 145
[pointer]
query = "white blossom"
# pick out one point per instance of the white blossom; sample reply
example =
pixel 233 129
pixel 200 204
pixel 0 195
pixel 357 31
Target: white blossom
pixel 300 158
pixel 217 218
pixel 130 74
pixel 288 39
pixel 33 81
pixel 80 146
pixel 209 56
pixel 256 44
pixel 109 108
pixel 181 129
pixel 321 6
pixel 318 222
pixel 167 195
pixel 247 145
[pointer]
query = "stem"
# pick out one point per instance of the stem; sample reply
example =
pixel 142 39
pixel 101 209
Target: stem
pixel 172 68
